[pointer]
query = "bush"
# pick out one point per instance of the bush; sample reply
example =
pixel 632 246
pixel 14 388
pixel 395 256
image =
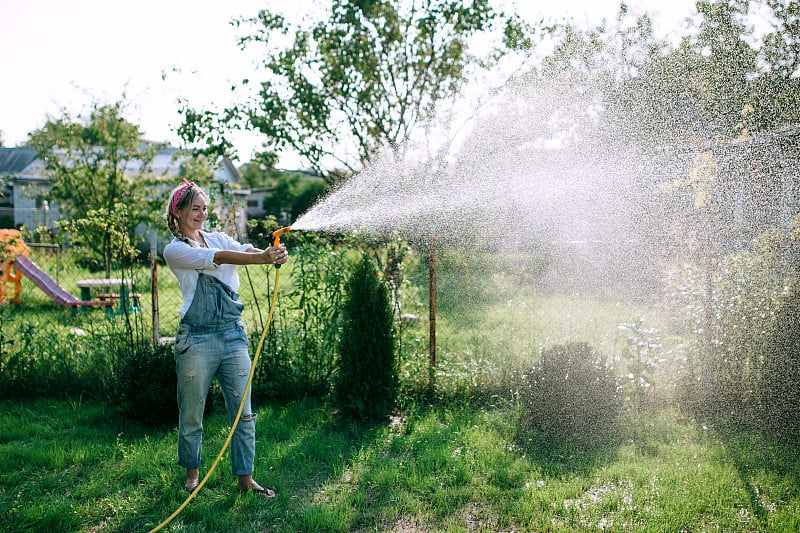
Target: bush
pixel 780 387
pixel 732 304
pixel 147 384
pixel 570 395
pixel 366 385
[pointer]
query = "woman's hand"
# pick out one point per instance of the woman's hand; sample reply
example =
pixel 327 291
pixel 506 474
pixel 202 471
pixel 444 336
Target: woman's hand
pixel 276 255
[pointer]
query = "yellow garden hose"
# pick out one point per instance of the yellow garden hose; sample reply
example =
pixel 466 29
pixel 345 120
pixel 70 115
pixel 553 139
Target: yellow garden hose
pixel 276 235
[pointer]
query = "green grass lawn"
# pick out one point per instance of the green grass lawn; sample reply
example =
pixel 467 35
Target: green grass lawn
pixel 77 466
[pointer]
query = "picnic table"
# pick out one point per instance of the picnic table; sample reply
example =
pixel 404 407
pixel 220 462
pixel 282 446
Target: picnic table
pixel 126 293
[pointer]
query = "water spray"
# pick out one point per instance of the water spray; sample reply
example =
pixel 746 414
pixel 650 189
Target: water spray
pixel 275 238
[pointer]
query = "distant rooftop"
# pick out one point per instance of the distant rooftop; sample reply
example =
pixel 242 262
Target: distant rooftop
pixel 15 160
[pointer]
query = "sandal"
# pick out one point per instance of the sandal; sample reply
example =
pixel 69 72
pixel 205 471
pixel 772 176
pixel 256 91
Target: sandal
pixel 262 493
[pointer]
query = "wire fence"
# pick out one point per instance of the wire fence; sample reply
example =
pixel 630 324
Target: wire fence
pixel 146 295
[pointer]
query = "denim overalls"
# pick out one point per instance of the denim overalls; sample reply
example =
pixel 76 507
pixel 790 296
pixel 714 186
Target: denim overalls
pixel 211 341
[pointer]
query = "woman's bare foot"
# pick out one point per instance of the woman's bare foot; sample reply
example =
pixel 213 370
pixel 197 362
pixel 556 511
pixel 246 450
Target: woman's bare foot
pixel 192 479
pixel 248 483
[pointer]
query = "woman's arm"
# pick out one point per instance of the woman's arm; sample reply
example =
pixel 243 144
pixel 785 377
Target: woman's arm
pixel 252 256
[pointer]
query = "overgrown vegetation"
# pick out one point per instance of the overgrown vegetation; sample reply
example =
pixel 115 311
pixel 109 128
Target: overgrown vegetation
pixel 740 316
pixel 43 361
pixel 780 391
pixel 299 356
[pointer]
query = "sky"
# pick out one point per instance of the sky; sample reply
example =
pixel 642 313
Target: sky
pixel 58 55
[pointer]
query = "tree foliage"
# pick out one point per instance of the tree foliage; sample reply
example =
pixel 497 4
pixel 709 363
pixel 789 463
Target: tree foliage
pixel 358 81
pixel 114 225
pixel 779 84
pixel 292 195
pixel 95 164
pixel 718 82
pixel 86 158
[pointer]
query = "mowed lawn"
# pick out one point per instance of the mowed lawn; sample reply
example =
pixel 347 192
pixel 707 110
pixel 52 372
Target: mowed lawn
pixel 79 466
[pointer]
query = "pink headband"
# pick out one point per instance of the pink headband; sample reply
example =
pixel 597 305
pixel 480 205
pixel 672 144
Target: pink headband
pixel 178 194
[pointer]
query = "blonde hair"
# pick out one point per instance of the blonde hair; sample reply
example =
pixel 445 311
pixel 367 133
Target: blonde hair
pixel 179 198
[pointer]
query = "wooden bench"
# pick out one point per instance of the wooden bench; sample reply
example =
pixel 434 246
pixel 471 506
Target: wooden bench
pixel 128 301
pixel 116 296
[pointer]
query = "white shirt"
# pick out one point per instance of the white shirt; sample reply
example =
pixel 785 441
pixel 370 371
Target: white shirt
pixel 186 262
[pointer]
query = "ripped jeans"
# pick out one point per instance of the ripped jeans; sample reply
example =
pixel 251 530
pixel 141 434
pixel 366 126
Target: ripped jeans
pixel 202 353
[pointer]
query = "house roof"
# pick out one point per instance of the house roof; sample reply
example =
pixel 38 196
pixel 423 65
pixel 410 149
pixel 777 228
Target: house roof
pixel 24 164
pixel 15 160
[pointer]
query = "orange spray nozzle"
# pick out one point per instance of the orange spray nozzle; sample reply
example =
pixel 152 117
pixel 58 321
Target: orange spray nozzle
pixel 276 237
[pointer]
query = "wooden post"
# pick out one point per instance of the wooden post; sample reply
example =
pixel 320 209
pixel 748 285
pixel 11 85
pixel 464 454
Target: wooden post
pixel 708 341
pixel 432 313
pixel 154 288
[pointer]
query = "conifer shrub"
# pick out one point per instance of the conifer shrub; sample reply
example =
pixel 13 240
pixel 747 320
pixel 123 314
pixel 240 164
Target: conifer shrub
pixel 570 395
pixel 366 383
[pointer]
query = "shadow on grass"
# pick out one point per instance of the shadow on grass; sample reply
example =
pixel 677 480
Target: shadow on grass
pixel 577 454
pixel 428 470
pixel 63 463
pixel 768 466
pixel 301 448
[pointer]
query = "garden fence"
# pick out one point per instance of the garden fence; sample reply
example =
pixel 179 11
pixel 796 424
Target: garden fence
pixel 137 307
pixel 149 296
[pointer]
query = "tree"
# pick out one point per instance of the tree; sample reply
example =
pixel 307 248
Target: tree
pixel 617 79
pixel 781 50
pixel 778 88
pixel 292 195
pixel 715 84
pixel 729 62
pixel 260 171
pixel 359 81
pixel 87 159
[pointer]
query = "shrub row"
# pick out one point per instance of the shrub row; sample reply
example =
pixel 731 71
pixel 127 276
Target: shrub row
pixel 324 312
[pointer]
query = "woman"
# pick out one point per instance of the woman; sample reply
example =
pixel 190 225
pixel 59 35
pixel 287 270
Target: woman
pixel 211 340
